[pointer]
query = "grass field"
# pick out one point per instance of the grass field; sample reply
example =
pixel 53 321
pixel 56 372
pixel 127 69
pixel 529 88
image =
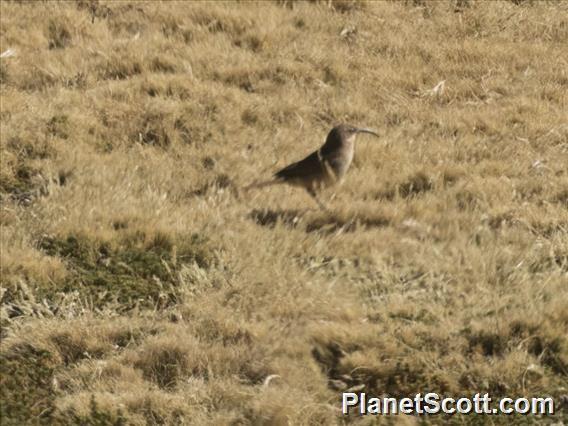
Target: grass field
pixel 140 285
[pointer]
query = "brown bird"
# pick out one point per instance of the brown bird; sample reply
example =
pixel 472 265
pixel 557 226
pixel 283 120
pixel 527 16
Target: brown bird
pixel 323 168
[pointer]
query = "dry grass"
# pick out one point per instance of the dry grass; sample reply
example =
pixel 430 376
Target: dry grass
pixel 140 287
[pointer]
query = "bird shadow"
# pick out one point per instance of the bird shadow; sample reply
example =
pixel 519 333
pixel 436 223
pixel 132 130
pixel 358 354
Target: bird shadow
pixel 326 223
pixel 339 223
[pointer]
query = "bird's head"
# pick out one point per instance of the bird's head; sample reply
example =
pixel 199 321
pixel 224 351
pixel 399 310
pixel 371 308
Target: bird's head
pixel 347 132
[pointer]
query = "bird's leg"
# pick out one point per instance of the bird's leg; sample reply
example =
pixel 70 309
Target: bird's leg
pixel 322 206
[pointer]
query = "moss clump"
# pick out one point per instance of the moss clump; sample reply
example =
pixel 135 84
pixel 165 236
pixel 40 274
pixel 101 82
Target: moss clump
pixel 20 184
pixel 165 366
pixel 58 34
pixel 486 343
pixel 58 125
pixel 25 385
pixel 3 72
pixel 20 177
pixel 137 271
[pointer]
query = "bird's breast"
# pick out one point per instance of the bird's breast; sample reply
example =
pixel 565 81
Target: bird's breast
pixel 341 161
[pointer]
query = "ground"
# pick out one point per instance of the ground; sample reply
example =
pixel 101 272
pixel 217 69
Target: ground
pixel 142 285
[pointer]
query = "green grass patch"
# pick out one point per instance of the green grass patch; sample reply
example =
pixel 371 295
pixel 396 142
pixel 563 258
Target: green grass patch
pixel 25 385
pixel 139 270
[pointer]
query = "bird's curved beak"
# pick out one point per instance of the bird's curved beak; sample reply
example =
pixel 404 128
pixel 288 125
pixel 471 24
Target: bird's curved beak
pixel 370 131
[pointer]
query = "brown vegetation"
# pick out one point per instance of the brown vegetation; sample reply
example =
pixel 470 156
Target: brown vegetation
pixel 140 286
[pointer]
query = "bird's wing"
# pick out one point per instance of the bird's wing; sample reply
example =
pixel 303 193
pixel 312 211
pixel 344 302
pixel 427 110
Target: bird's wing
pixel 309 166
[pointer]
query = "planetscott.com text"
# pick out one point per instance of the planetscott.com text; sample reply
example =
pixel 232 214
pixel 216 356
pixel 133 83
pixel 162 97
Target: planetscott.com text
pixel 432 403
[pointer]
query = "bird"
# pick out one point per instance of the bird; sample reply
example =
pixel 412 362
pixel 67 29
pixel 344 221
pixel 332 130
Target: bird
pixel 323 168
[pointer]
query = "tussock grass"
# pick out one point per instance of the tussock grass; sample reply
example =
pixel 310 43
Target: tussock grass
pixel 140 285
